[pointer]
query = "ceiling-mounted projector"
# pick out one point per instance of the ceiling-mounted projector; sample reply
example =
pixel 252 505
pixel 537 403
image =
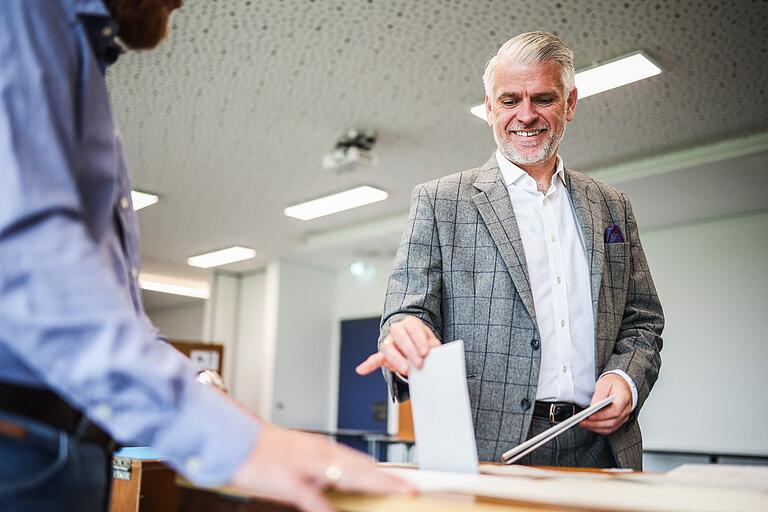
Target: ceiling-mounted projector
pixel 353 150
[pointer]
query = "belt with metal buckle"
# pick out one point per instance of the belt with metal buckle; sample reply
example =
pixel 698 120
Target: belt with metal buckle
pixel 555 412
pixel 46 407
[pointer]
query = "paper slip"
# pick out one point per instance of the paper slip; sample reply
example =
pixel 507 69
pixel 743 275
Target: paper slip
pixel 592 494
pixel 442 418
pixel 753 478
pixel 528 446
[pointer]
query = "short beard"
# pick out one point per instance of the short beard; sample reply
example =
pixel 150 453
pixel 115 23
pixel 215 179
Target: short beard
pixel 545 151
pixel 142 24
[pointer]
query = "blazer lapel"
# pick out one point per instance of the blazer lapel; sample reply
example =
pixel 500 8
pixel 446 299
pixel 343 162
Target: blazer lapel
pixel 495 208
pixel 592 224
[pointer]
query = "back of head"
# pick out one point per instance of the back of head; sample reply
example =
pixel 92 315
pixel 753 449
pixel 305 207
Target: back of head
pixel 533 48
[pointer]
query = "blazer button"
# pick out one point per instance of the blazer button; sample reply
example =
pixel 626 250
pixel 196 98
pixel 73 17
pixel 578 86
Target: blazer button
pixel 525 404
pixel 535 344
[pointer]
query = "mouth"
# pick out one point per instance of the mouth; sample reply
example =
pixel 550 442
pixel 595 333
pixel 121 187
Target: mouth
pixel 528 133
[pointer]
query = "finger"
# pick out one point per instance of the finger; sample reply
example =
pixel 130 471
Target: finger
pixel 609 412
pixel 394 357
pixel 401 337
pixel 590 423
pixel 373 362
pixel 309 499
pixel 422 336
pixel 361 475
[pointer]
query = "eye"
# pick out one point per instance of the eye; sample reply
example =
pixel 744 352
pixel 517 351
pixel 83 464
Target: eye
pixel 544 101
pixel 509 102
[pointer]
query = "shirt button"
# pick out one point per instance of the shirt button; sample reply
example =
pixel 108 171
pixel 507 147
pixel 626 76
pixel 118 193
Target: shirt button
pixel 535 344
pixel 134 272
pixel 562 323
pixel 106 31
pixel 102 412
pixel 525 404
pixel 552 238
pixel 124 203
pixel 558 280
pixel 565 370
pixel 193 464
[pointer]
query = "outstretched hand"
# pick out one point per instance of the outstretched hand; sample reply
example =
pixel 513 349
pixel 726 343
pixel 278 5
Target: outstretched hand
pixel 295 468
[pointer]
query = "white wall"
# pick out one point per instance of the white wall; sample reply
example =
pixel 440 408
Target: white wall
pixel 220 325
pixel 182 322
pixel 253 364
pixel 303 346
pixel 712 278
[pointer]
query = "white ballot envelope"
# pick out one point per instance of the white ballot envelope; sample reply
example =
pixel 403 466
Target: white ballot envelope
pixel 442 418
pixel 528 446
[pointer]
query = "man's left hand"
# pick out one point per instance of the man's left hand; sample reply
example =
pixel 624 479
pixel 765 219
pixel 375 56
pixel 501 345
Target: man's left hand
pixel 610 418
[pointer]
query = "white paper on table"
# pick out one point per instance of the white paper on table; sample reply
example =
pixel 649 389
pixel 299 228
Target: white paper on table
pixel 442 418
pixel 720 475
pixel 574 491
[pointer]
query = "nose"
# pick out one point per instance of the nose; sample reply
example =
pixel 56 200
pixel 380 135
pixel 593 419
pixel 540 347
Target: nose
pixel 527 114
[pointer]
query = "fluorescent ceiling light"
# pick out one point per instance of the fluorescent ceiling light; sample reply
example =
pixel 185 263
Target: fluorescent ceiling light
pixel 613 74
pixel 221 257
pixel 335 203
pixel 142 199
pixel 166 284
pixel 609 75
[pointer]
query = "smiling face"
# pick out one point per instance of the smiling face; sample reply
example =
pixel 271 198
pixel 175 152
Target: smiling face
pixel 528 112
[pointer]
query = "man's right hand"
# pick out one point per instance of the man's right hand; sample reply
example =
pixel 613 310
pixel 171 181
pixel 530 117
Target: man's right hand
pixel 409 341
pixel 294 467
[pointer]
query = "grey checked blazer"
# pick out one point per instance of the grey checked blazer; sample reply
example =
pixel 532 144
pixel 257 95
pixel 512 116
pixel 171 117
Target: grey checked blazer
pixel 461 269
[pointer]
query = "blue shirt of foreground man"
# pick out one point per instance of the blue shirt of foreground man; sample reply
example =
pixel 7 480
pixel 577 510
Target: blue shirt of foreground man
pixel 73 334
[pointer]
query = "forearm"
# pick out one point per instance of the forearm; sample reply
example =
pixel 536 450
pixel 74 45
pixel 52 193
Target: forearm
pixel 64 313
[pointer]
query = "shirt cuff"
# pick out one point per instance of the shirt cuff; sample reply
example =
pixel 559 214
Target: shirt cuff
pixel 209 438
pixel 631 383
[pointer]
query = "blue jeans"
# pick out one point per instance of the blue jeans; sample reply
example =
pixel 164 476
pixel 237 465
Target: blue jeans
pixel 45 469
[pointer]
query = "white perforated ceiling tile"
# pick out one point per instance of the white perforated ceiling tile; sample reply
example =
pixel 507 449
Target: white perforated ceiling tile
pixel 229 118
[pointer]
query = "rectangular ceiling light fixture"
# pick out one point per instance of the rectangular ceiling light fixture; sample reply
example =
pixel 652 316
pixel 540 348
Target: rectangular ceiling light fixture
pixel 142 199
pixel 165 284
pixel 221 257
pixel 335 203
pixel 603 77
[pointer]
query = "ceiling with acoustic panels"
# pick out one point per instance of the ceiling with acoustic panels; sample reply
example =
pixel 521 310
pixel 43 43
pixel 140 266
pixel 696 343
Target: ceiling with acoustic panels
pixel 229 119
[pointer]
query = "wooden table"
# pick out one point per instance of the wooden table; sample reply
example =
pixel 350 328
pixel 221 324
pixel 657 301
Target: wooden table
pixel 196 499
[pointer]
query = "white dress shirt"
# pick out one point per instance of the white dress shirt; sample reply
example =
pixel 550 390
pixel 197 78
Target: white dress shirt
pixel 560 284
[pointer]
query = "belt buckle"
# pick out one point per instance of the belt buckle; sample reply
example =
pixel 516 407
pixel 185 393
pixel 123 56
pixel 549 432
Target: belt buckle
pixel 554 408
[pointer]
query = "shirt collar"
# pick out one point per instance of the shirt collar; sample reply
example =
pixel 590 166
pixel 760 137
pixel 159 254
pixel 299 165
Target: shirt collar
pixel 514 175
pixel 101 29
pixel 91 7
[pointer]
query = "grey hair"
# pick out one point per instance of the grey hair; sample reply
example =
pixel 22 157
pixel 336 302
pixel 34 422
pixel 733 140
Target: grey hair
pixel 533 48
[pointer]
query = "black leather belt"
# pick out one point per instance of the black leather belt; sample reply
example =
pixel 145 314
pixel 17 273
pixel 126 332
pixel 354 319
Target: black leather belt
pixel 46 407
pixel 555 412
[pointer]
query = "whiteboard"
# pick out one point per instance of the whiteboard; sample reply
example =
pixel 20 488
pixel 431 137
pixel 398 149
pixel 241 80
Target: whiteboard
pixel 712 280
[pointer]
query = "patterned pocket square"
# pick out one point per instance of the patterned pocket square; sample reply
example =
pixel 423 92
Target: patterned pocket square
pixel 613 234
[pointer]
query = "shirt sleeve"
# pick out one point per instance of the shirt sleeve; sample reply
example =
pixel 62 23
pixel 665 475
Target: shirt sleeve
pixel 630 382
pixel 63 311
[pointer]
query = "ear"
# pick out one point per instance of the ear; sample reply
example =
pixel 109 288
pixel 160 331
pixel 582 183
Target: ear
pixel 570 107
pixel 488 111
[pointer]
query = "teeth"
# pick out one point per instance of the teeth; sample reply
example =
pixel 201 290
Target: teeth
pixel 528 133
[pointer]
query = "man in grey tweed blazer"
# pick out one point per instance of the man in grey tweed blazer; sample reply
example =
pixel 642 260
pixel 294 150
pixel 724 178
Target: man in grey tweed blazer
pixel 539 269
